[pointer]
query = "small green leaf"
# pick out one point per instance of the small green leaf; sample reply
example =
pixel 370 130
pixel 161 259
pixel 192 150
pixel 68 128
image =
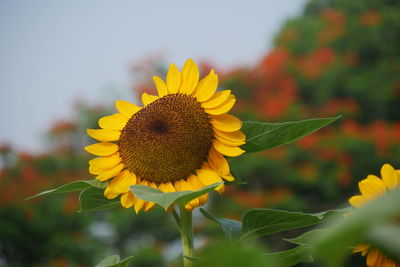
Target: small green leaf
pixel 306 238
pixel 72 187
pixel 166 199
pixel 193 259
pixel 231 228
pixel 263 136
pixel 114 261
pixel 92 198
pixel 259 222
pixel 291 257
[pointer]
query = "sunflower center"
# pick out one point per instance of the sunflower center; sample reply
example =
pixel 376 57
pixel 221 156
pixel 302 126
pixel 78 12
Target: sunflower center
pixel 166 140
pixel 159 127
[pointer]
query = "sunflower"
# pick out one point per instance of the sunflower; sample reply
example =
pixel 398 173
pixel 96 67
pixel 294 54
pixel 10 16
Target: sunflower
pixel 371 188
pixel 175 142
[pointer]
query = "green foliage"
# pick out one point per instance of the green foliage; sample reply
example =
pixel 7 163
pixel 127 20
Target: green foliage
pixel 291 257
pixel 75 186
pixel 114 261
pixel 167 199
pixel 231 228
pixel 263 136
pixel 334 244
pixel 351 50
pixel 306 238
pixel 92 198
pixel 331 243
pixel 260 222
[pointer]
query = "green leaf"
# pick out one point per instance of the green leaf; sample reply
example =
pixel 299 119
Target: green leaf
pixel 260 222
pixel 306 238
pixel 262 136
pixel 114 261
pixel 231 228
pixel 72 187
pixel 166 199
pixel 387 238
pixel 291 257
pixel 335 244
pixel 193 259
pixel 93 198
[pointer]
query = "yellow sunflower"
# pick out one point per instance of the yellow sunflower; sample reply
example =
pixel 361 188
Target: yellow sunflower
pixel 371 188
pixel 175 142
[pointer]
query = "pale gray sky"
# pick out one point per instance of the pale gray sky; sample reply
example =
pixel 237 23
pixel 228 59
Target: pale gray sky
pixel 53 52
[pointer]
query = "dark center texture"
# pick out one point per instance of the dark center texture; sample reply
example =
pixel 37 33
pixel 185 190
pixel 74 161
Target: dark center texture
pixel 167 140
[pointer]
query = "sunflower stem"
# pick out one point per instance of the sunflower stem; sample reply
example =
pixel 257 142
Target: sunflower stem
pixel 186 230
pixel 176 218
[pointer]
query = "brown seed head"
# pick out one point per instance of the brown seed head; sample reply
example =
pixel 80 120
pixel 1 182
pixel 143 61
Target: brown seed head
pixel 166 140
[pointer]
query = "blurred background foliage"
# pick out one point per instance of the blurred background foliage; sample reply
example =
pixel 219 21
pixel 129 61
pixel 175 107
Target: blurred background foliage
pixel 338 57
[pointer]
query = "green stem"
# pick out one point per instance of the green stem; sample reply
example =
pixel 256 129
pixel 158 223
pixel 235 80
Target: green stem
pixel 186 231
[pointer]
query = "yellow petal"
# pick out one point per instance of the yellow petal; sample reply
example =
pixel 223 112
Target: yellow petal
pixel 103 163
pixel 388 262
pixel 228 177
pixel 363 248
pixel 218 162
pixel 224 107
pixel 126 108
pixel 197 185
pixel 389 176
pixel 208 177
pixel 109 193
pixel 231 139
pixel 207 87
pixel 373 257
pixel 226 122
pixel 173 79
pixel 230 151
pixel 104 134
pixel 148 205
pixel 190 77
pixel 122 182
pixel 166 188
pixel 220 189
pixel 128 200
pixel 94 171
pixel 161 86
pixel 107 174
pixel 217 99
pixel 358 201
pixel 182 185
pixel 148 99
pixel 372 186
pixel 203 199
pixel 220 165
pixel 139 205
pixel 102 149
pixel 116 121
